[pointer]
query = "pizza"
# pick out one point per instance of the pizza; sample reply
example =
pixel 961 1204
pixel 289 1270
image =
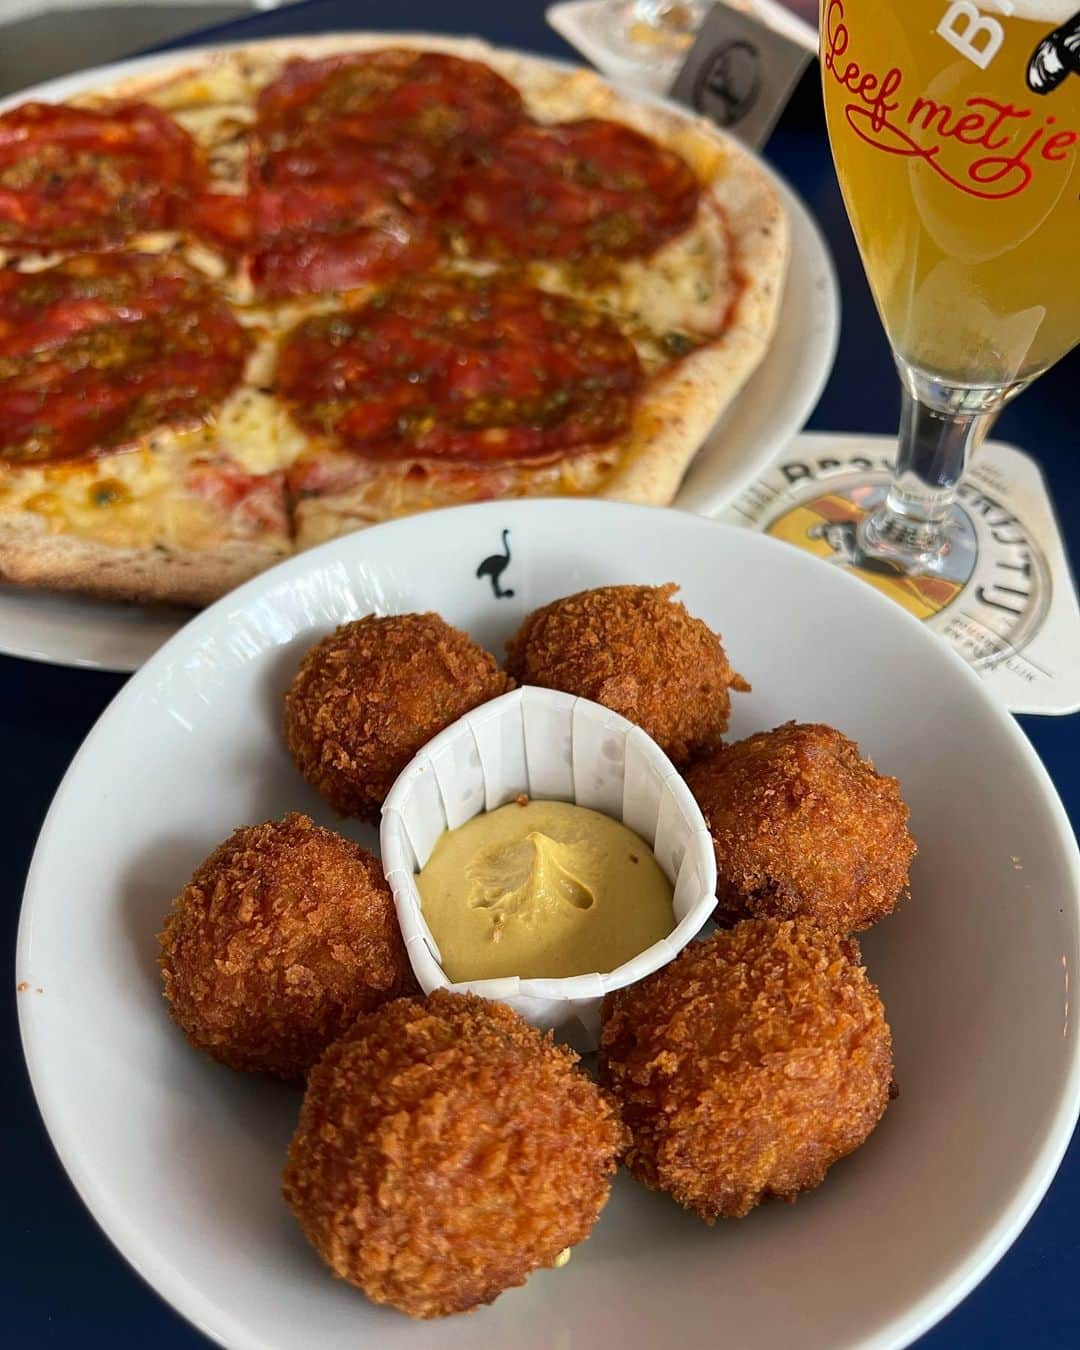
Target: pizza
pixel 286 290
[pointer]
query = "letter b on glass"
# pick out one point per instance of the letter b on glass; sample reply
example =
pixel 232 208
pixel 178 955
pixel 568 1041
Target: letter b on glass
pixel 972 33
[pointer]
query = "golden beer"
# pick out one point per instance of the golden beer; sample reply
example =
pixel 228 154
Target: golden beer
pixel 955 128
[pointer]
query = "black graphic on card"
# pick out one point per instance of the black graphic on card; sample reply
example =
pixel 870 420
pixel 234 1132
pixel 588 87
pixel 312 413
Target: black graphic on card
pixel 729 84
pixel 740 73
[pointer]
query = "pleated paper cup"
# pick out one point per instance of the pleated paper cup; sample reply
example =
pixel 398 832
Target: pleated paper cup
pixel 551 747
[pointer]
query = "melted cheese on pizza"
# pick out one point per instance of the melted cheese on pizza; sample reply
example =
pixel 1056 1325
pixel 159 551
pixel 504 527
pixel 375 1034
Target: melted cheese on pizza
pixel 256 432
pixel 130 501
pixel 685 289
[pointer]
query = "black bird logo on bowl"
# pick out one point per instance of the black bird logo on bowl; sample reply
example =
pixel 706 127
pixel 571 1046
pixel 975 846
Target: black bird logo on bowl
pixel 1055 58
pixel 494 566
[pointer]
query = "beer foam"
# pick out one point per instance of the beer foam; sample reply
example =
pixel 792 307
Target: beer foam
pixel 1046 11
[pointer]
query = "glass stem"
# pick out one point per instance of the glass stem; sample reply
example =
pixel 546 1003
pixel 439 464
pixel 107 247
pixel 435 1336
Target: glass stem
pixel 940 425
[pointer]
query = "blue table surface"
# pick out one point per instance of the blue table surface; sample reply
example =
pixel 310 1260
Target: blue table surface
pixel 62 1282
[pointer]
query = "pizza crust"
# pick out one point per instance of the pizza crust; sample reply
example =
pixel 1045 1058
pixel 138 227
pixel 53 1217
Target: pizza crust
pixel 683 406
pixel 31 555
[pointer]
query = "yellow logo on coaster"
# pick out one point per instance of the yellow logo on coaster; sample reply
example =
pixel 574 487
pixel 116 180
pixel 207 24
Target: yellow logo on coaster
pixel 827 527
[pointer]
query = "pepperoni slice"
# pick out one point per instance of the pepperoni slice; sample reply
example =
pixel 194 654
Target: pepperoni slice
pixel 306 233
pixel 104 348
pixel 461 371
pixel 350 150
pixel 340 260
pixel 223 218
pixel 334 217
pixel 385 96
pixel 329 159
pixel 573 189
pixel 88 178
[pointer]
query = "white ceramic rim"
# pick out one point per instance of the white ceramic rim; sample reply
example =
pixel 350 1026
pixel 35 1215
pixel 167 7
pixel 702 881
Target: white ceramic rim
pixel 220 1326
pixel 806 236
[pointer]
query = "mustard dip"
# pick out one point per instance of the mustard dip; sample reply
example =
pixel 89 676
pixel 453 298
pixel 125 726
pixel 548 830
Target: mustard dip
pixel 542 890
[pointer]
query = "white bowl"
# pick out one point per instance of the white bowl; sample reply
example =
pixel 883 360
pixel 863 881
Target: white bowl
pixel 180 1160
pixel 551 746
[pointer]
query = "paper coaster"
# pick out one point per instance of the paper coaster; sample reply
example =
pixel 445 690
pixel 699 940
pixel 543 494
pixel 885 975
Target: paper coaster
pixel 1005 599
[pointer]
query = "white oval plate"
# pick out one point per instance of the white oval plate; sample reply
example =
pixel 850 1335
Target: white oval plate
pixel 179 1159
pixel 773 406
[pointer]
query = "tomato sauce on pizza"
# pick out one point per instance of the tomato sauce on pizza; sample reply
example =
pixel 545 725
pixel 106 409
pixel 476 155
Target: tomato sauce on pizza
pixel 105 348
pixel 90 178
pixel 570 190
pixel 458 371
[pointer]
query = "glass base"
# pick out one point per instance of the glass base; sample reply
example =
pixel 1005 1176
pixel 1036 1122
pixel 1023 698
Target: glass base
pixel 923 575
pixel 910 546
pixel 941 424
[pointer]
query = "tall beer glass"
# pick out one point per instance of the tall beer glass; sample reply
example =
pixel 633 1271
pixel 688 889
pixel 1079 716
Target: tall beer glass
pixel 955 128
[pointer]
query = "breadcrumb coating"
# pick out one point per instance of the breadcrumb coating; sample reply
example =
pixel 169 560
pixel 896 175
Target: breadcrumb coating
pixel 368 696
pixel 446 1150
pixel 636 650
pixel 747 1066
pixel 802 825
pixel 281 938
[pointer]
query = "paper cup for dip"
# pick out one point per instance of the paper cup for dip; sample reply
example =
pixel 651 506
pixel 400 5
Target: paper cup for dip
pixel 549 746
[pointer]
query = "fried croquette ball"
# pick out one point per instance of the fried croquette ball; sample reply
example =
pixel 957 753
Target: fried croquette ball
pixel 281 938
pixel 748 1066
pixel 446 1150
pixel 369 695
pixel 802 825
pixel 636 650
